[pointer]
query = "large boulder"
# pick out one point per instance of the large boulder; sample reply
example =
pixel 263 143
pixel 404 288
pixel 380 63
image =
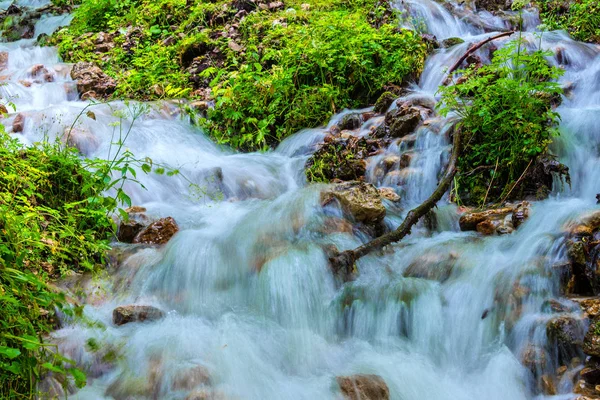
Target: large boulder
pixel 92 82
pixel 359 200
pixel 158 232
pixel 135 313
pixel 363 387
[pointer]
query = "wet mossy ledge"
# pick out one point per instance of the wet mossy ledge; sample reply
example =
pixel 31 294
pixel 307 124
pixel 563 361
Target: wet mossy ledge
pixel 264 69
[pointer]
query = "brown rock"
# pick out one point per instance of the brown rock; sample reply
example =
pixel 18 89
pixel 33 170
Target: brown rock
pixel 92 80
pixel 3 60
pixel 389 194
pixel 191 378
pixel 18 123
pixel 159 232
pixel 520 213
pixel 359 200
pixel 81 139
pixel 133 313
pixel 591 342
pixel 487 227
pixel 363 387
pixel 470 220
pixel 566 334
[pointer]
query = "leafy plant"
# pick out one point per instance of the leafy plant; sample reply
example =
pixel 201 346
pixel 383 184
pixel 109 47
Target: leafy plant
pixel 282 70
pixel 581 18
pixel 506 117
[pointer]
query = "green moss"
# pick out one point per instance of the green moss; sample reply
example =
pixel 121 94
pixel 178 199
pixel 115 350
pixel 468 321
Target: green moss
pixel 270 73
pixel 581 18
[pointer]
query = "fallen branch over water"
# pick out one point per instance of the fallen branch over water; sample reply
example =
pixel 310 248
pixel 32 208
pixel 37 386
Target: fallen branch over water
pixel 342 263
pixel 475 47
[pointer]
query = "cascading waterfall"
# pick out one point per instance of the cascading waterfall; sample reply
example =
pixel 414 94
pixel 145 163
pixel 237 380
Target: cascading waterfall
pixel 245 284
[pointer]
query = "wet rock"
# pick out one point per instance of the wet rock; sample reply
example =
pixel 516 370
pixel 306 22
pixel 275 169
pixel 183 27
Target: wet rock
pixel 591 342
pixel 3 60
pixel 359 200
pixel 548 385
pixel 350 121
pixel 520 213
pixel 590 306
pixel 399 122
pixel 538 181
pixel 430 41
pixel 129 230
pixel 342 159
pixel 134 313
pixel 583 251
pixel 469 221
pixel 389 194
pixel 81 139
pixel 451 42
pixel 493 5
pixel 384 102
pixel 92 80
pixel 566 334
pixel 18 123
pixel 191 378
pixel 158 232
pixel 436 267
pixel 534 358
pixel 363 387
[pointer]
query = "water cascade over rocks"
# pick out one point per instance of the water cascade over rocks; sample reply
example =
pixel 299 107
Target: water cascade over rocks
pixel 236 299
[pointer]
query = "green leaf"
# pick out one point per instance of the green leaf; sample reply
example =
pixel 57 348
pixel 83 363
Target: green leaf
pixel 9 352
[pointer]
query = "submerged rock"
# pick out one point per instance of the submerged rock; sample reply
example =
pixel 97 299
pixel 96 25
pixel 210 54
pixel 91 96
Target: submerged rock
pixel 359 200
pixel 566 335
pixel 134 313
pixel 363 387
pixel 158 232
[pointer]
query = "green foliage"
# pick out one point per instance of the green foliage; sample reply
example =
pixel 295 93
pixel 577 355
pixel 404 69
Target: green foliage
pixel 282 70
pixel 48 227
pixel 581 18
pixel 506 118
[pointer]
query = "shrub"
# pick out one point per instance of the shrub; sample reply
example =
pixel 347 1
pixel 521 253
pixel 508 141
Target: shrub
pixel 49 226
pixel 506 117
pixel 293 67
pixel 581 18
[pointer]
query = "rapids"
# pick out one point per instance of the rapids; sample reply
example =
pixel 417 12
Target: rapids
pixel 245 284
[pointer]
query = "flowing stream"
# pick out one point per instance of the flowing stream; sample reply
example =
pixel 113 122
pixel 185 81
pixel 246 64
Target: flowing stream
pixel 245 284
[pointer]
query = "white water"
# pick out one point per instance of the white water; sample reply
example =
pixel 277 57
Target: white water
pixel 246 286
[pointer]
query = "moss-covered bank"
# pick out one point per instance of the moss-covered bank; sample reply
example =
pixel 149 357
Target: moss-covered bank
pixel 270 67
